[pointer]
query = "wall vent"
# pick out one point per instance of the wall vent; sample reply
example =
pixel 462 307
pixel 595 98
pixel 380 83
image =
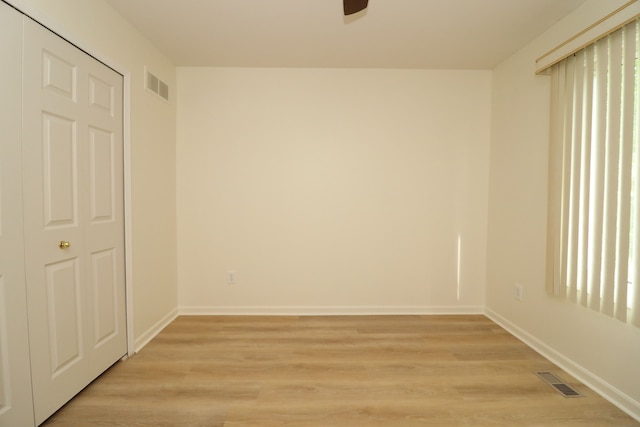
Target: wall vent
pixel 557 384
pixel 155 85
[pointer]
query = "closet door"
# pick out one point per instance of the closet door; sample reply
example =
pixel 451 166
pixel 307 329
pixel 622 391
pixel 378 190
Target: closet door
pixel 15 379
pixel 73 214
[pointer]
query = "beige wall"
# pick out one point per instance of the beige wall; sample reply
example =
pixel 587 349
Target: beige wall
pixel 332 190
pixel 347 190
pixel 602 351
pixel 94 26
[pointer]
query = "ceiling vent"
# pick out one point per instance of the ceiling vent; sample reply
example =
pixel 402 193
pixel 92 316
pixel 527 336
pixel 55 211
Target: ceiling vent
pixel 155 85
pixel 557 384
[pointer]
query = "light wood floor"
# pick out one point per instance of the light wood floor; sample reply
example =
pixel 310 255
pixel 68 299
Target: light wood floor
pixel 334 371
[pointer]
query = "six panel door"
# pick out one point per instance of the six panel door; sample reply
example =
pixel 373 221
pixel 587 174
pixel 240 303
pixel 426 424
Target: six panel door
pixel 73 215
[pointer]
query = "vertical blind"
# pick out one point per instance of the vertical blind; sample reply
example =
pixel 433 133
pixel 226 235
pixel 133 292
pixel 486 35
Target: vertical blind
pixel 594 192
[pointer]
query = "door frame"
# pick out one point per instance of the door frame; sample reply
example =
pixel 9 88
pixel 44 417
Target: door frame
pixel 101 56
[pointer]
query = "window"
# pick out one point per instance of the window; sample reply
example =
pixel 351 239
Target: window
pixel 594 192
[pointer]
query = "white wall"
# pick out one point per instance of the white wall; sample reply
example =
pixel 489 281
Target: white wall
pixel 93 25
pixel 332 190
pixel 603 352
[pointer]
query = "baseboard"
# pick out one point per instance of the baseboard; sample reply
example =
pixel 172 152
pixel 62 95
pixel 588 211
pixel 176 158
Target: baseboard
pixel 154 330
pixel 597 384
pixel 328 310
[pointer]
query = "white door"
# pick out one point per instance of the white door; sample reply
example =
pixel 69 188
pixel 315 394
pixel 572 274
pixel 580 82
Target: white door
pixel 73 217
pixel 15 379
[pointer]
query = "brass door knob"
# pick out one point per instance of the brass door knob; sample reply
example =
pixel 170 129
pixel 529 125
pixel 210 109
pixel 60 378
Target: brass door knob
pixel 63 244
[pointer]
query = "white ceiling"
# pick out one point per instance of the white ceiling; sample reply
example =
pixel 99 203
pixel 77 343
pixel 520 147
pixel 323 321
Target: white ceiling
pixel 431 34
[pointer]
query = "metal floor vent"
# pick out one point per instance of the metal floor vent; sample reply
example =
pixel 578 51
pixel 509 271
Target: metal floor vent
pixel 559 385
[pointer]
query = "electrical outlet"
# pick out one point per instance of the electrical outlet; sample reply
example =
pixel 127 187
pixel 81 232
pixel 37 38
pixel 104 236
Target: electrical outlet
pixel 231 277
pixel 518 292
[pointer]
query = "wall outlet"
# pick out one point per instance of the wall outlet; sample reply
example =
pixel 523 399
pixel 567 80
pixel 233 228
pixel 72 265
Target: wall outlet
pixel 231 277
pixel 518 292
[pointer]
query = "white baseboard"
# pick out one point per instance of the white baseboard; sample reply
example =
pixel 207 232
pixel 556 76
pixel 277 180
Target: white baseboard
pixel 597 384
pixel 154 330
pixel 328 310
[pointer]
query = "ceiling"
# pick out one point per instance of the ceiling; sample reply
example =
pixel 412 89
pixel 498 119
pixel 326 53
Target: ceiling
pixel 429 34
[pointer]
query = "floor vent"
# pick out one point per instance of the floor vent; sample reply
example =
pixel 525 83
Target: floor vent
pixel 559 385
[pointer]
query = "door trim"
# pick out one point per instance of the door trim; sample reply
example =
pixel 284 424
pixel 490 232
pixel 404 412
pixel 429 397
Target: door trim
pixel 65 33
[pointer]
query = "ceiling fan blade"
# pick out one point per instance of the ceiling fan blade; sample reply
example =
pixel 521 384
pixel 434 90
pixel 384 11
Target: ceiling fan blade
pixel 354 6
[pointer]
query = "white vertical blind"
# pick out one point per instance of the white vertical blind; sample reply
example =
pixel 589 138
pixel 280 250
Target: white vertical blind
pixel 612 157
pixel 629 65
pixel 620 13
pixel 597 183
pixel 634 300
pixel 594 125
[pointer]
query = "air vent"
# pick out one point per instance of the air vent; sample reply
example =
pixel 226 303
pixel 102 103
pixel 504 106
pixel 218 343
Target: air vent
pixel 155 85
pixel 557 384
pixel 163 90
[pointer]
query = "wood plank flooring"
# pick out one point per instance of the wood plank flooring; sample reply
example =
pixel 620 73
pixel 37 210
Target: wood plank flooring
pixel 374 371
